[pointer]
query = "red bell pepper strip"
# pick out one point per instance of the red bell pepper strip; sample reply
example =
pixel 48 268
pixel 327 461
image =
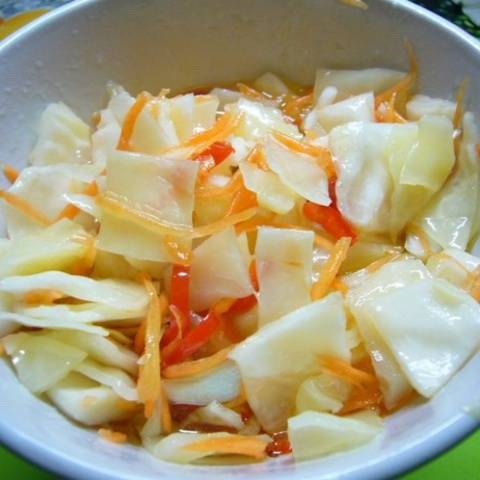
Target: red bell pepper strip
pixel 219 151
pixel 197 337
pixel 330 219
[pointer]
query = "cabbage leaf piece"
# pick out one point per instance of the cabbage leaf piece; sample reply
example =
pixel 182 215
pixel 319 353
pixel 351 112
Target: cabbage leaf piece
pixel 216 414
pixel 88 402
pixel 432 350
pixel 258 120
pixel 450 217
pixel 312 433
pixel 421 105
pixel 156 186
pixel 44 188
pixel 218 270
pixel 62 137
pixel 280 356
pixel 40 361
pixel 355 82
pixel 299 172
pixel 284 269
pixel 118 294
pixel 57 247
pixel 393 382
pixel 222 384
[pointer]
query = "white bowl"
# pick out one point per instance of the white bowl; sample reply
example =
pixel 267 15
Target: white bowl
pixel 70 54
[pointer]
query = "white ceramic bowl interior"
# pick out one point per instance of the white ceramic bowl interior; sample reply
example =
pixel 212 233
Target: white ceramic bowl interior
pixel 70 54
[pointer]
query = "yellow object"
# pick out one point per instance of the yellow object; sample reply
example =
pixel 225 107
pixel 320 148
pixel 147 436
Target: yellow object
pixel 12 24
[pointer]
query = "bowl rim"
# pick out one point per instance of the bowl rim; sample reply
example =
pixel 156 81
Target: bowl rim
pixel 438 442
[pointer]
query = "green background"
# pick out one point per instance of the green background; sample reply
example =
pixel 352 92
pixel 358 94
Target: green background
pixel 460 463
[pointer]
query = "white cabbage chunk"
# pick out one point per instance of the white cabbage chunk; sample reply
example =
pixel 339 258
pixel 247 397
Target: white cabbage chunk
pixel 62 137
pixel 258 120
pixel 117 294
pixel 222 383
pixel 283 259
pixel 11 321
pixel 225 96
pixel 280 356
pixel 44 188
pixel 110 265
pixel 356 82
pixel 421 105
pixel 174 447
pixel 360 108
pixel 300 172
pixel 271 193
pixel 431 327
pixel 455 266
pixel 449 219
pixel 100 349
pixel 154 130
pixel 215 414
pixel 218 270
pixel 41 362
pixel 312 434
pixel 161 187
pixel 57 247
pixel 271 84
pixel 112 377
pixel 393 382
pixel 105 138
pixel 89 403
pixel 204 112
pixel 322 393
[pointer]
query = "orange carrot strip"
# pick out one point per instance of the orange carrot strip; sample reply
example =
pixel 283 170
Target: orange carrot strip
pixel 257 157
pixel 149 383
pixel 296 106
pixel 340 286
pixel 42 297
pixel 242 200
pixel 233 444
pixel 85 265
pixel 111 436
pixel 210 229
pixel 377 264
pixel 10 173
pixel 22 205
pixel 322 242
pixel 194 367
pixel 250 92
pixel 331 267
pixel 345 371
pixel 139 341
pixel 321 155
pixel 131 119
pixel 475 287
pixel 166 415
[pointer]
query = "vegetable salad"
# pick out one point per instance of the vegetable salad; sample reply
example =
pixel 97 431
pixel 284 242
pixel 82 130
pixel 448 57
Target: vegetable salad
pixel 246 272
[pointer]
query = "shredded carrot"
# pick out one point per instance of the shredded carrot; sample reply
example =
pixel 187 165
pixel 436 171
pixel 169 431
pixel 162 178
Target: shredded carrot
pixel 85 265
pixel 111 436
pixel 340 286
pixel 322 155
pixel 402 88
pixel 210 229
pixel 42 297
pixel 475 286
pixel 233 444
pixel 139 341
pixel 331 267
pixel 458 115
pixel 250 92
pixel 242 200
pixel 24 206
pixel 223 127
pixel 377 264
pixel 118 206
pixel 345 371
pixel 387 113
pixel 148 385
pixel 470 276
pixel 125 404
pixel 194 367
pixel 422 236
pixel 257 157
pixel 356 3
pixel 10 173
pixel 166 415
pixel 70 211
pixel 179 250
pixel 295 107
pixel 252 224
pixel 131 119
